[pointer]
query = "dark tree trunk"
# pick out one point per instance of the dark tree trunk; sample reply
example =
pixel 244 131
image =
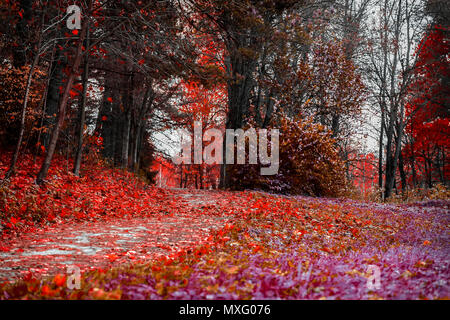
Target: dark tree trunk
pixel 335 125
pixel 181 175
pixel 53 94
pixel 401 169
pixel 380 153
pixel 106 120
pixel 127 123
pixel 82 116
pixel 62 108
pixel 240 84
pixel 200 173
pixel 413 169
pixel 126 139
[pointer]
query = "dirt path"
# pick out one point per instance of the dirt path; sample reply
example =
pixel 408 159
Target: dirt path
pixel 111 242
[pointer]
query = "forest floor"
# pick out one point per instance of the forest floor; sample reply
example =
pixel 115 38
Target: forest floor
pixel 132 241
pixel 108 243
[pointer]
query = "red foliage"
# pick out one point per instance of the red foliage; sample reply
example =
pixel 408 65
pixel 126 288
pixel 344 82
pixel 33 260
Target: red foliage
pixel 363 172
pixel 428 129
pixel 99 192
pixel 166 176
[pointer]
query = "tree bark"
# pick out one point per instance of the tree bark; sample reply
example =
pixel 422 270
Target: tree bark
pixel 79 152
pixel 401 169
pixel 126 139
pixel 62 108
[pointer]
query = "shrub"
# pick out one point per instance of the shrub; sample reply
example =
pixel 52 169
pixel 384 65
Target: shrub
pixel 437 192
pixel 309 163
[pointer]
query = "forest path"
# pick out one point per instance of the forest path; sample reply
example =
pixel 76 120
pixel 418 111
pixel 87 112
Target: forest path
pixel 110 242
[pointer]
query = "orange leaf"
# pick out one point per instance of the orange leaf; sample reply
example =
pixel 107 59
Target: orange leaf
pixel 59 280
pixel 232 270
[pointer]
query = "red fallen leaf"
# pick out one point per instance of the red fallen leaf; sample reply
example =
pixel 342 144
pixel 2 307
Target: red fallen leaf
pixel 96 293
pixel 14 220
pixel 141 62
pixel 75 31
pixel 257 248
pixel 33 287
pixel 45 290
pixel 23 208
pixel 112 257
pixel 326 249
pixel 4 249
pixel 109 99
pixel 104 118
pixel 59 280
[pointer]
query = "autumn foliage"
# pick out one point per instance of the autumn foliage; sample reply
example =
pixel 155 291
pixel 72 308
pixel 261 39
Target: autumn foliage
pixel 12 83
pixel 309 163
pixel 101 192
pixel 89 119
pixel 428 128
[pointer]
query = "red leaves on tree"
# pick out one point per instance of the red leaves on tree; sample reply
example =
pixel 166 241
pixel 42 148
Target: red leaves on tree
pixel 428 126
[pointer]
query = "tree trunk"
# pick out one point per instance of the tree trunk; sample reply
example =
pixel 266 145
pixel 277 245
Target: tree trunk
pixel 401 169
pixel 106 120
pixel 240 84
pixel 181 175
pixel 62 108
pixel 395 156
pixel 126 139
pixel 81 123
pixel 12 166
pixel 53 93
pixel 127 123
pixel 200 173
pixel 380 153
